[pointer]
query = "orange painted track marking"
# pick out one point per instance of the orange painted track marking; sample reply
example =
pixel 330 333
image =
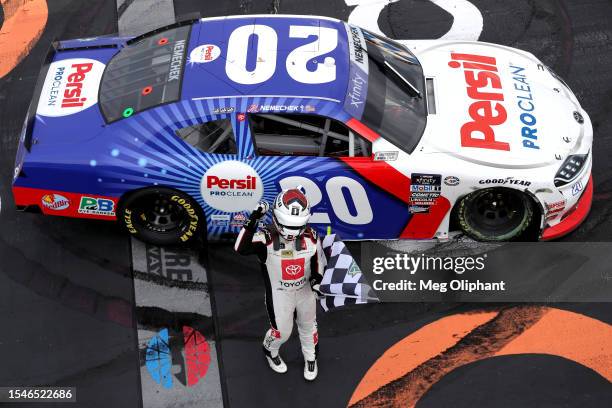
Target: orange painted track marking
pixel 424 344
pixel 24 22
pixel 569 335
pixel 404 373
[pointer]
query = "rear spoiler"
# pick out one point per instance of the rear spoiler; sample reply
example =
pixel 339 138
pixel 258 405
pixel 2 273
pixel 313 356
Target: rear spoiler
pixel 55 47
pixel 183 20
pixel 31 115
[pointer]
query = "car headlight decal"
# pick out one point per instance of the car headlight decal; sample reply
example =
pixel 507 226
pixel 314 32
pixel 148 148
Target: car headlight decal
pixel 570 169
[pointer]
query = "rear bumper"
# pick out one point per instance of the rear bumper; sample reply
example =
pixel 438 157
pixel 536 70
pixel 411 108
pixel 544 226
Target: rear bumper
pixel 575 217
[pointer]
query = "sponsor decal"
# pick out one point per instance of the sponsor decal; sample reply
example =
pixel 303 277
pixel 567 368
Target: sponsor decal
pixel 280 108
pixel 451 181
pixel 315 337
pixel 353 269
pixel 385 156
pixel 231 186
pixel 220 220
pixel 71 86
pixel 275 333
pixel 176 61
pixel 97 206
pixel 129 224
pixel 553 210
pixel 357 91
pixel 220 111
pixel 293 283
pixel 241 117
pixel 238 220
pixel 424 189
pixel 292 269
pixel 204 54
pixel 507 180
pixel 287 253
pixel 485 88
pixel 525 102
pixel 554 206
pixel 577 188
pixel 194 219
pixel 358 74
pixel 55 202
pixel 418 209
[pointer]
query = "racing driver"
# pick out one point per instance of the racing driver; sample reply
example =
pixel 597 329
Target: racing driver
pixel 292 261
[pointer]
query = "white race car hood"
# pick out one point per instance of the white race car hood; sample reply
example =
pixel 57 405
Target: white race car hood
pixel 496 106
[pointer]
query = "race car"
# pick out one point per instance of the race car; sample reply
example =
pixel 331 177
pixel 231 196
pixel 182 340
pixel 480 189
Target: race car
pixel 182 131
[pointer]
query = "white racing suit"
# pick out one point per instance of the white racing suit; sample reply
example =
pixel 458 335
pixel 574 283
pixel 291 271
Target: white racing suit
pixel 289 269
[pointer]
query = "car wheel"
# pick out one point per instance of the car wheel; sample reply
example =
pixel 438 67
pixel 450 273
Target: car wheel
pixel 161 216
pixel 495 214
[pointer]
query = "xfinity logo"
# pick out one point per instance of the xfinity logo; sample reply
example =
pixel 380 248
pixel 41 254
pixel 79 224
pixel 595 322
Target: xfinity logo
pixel 487 111
pixel 356 95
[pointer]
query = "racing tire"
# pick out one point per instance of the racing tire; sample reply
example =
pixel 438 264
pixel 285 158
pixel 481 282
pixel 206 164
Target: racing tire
pixel 161 216
pixel 495 214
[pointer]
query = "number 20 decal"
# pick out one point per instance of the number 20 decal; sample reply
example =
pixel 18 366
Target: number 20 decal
pixel 333 186
pixel 266 53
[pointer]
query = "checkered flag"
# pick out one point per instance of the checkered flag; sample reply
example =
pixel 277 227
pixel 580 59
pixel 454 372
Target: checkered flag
pixel 343 282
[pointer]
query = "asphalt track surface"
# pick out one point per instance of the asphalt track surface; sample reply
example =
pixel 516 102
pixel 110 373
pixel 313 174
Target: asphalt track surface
pixel 66 290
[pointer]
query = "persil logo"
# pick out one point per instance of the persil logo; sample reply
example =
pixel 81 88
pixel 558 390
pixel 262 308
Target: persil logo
pixel 204 53
pixel 231 186
pixel 485 88
pixel 71 86
pixel 249 183
pixel 74 87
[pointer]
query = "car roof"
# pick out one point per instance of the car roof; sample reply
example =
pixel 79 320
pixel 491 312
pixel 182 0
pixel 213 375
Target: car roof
pixel 220 64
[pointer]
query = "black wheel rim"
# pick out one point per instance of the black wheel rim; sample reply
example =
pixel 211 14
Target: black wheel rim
pixel 497 212
pixel 158 213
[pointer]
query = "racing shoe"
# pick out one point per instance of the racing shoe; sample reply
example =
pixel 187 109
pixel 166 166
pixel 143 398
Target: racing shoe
pixel 310 370
pixel 276 363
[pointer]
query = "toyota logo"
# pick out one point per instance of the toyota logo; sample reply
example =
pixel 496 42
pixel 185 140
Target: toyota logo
pixel 293 269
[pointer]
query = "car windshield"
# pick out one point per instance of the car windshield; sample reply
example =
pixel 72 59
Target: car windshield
pixel 146 73
pixel 395 105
